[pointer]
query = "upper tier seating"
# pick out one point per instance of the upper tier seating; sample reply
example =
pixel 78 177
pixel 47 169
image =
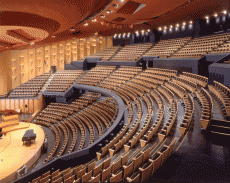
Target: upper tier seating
pixel 131 52
pixel 200 46
pixel 96 75
pixel 224 48
pixel 107 53
pixel 165 48
pixel 120 76
pixel 30 88
pixel 62 80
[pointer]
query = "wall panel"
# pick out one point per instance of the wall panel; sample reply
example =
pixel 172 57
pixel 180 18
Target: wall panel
pixel 12 101
pixel 3 104
pixel 31 106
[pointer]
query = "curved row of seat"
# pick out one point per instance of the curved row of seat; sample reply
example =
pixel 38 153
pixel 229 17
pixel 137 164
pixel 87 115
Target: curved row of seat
pixel 62 80
pixel 87 123
pixel 30 88
pixel 143 145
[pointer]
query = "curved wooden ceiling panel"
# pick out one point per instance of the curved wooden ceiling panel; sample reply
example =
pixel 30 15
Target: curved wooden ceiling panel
pixel 57 17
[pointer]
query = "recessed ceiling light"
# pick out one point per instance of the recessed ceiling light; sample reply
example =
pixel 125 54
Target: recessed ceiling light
pixel 86 24
pixel 224 12
pixel 215 15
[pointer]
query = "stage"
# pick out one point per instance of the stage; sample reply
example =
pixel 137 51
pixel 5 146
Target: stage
pixel 14 155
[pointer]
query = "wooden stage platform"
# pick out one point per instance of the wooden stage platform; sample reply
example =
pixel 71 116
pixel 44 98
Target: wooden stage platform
pixel 14 155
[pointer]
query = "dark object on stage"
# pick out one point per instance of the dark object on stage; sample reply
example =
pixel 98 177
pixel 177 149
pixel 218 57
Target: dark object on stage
pixel 0 135
pixel 44 147
pixel 0 130
pixel 28 136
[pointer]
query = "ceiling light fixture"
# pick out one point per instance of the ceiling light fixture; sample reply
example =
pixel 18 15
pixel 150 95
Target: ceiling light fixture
pixel 225 12
pixel 72 29
pixel 94 20
pixel 53 36
pixel 86 24
pixel 108 11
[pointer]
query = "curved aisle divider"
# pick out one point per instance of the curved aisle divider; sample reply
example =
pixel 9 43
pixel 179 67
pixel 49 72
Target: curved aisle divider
pixel 83 155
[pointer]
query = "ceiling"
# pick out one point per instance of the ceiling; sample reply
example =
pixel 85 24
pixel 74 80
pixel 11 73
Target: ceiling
pixel 28 24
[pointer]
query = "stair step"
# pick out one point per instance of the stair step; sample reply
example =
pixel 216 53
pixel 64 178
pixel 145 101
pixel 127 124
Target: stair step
pixel 220 133
pixel 220 123
pixel 220 129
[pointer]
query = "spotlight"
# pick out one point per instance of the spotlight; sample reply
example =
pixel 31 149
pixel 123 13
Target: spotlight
pixel 206 17
pixel 224 12
pixel 215 15
pixel 102 16
pixel 86 24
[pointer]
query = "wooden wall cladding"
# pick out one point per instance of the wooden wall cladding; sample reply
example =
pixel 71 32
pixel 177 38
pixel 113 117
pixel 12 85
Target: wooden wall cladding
pixel 26 105
pixel 26 64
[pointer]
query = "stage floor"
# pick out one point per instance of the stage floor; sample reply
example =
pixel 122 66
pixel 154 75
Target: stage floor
pixel 14 155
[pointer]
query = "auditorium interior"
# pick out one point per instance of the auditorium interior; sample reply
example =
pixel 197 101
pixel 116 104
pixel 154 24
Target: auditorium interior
pixel 114 91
